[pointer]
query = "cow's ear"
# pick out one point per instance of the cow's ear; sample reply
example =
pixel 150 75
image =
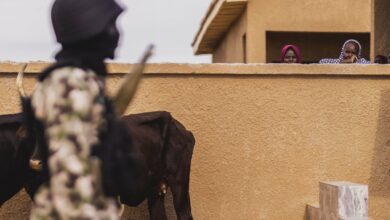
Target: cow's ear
pixel 22 132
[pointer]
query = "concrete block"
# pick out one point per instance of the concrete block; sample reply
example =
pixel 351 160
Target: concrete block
pixel 343 200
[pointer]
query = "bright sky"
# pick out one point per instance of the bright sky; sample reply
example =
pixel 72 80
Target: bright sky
pixel 171 25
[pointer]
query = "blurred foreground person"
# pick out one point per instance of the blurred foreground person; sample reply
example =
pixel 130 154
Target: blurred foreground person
pixel 350 53
pixel 69 105
pixel 380 59
pixel 290 54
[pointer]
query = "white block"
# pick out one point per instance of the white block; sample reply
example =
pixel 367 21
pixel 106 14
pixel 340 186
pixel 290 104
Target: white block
pixel 343 200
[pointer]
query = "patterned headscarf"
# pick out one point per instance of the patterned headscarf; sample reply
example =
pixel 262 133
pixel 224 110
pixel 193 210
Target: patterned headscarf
pixel 341 57
pixel 296 51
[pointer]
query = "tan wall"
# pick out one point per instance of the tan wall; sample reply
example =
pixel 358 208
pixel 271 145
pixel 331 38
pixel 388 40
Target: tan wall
pixel 231 49
pixel 382 27
pixel 267 134
pixel 307 15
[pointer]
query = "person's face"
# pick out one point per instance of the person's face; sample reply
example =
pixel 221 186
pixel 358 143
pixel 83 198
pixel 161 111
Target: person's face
pixel 113 35
pixel 350 51
pixel 290 56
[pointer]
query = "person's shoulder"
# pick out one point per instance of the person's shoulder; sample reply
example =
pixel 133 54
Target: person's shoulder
pixel 69 70
pixel 329 61
pixel 363 61
pixel 60 69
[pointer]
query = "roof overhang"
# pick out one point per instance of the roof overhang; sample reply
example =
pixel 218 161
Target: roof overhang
pixel 219 17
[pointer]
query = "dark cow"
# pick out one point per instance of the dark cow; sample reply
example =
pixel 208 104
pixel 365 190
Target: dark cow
pixel 166 147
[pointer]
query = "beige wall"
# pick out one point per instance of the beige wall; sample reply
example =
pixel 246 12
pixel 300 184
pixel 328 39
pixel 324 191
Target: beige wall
pixel 230 49
pixel 266 134
pixel 307 15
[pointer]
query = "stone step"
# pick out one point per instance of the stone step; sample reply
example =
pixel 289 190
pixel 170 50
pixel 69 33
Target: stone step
pixel 312 212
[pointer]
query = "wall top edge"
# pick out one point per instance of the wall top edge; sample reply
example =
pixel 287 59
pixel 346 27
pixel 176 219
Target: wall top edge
pixel 223 69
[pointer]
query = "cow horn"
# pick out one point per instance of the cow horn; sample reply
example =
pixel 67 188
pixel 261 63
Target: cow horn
pixel 121 210
pixel 130 83
pixel 19 81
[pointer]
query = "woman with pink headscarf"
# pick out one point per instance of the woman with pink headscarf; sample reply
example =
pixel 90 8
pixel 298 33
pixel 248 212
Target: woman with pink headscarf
pixel 290 54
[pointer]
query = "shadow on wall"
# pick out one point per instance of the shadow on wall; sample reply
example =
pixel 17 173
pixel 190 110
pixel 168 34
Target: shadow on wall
pixel 379 183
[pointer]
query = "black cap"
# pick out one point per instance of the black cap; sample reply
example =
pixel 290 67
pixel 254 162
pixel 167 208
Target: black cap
pixel 75 20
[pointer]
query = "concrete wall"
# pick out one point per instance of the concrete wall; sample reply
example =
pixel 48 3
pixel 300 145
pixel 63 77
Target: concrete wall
pixel 266 134
pixel 307 15
pixel 382 27
pixel 231 48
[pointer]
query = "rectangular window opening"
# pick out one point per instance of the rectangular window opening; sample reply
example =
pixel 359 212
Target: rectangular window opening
pixel 313 45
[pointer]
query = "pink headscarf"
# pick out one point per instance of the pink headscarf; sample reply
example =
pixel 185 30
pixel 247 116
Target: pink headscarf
pixel 294 48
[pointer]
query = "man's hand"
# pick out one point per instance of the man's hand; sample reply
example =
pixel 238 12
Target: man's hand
pixel 352 59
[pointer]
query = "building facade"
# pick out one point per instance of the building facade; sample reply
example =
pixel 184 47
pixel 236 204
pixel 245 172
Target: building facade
pixel 254 31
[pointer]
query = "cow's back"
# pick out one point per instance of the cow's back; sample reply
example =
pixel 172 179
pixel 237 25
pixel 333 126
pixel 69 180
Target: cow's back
pixel 164 141
pixel 147 131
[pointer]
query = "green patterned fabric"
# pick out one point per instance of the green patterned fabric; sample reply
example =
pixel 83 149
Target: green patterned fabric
pixel 70 104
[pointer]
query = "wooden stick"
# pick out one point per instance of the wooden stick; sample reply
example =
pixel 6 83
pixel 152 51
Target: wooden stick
pixel 130 83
